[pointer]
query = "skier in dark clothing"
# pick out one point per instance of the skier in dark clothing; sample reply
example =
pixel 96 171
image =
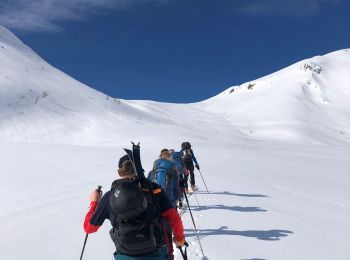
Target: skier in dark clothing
pixel 127 224
pixel 190 161
pixel 181 172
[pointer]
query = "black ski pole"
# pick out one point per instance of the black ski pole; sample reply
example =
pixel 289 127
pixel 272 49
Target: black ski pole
pixel 203 180
pixel 99 187
pixel 189 208
pixel 194 225
pixel 82 252
pixel 184 254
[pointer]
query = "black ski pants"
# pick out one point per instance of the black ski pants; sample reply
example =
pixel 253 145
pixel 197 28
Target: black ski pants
pixel 190 168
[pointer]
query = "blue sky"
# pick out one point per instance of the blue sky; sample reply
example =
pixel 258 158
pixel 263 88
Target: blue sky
pixel 172 50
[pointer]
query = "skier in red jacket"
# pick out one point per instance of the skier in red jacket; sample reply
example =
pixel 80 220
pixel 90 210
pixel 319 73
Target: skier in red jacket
pixel 123 232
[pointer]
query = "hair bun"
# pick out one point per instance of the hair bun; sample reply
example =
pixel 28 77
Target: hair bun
pixel 127 168
pixel 127 164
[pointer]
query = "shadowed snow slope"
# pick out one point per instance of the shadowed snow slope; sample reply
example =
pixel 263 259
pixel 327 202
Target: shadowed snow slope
pixel 304 102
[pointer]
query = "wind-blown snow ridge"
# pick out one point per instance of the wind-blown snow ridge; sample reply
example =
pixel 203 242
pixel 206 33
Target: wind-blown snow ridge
pixel 304 102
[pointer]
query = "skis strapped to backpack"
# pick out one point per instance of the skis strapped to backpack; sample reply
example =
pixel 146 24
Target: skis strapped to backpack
pixel 136 218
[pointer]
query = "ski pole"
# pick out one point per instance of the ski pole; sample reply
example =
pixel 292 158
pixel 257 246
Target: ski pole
pixel 203 180
pixel 194 225
pixel 82 252
pixel 184 254
pixel 189 208
pixel 99 187
pixel 196 199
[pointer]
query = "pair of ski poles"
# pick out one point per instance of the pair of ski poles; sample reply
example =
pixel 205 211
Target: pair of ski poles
pixel 184 254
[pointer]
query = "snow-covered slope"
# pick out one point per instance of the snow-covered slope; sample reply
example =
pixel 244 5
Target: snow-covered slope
pixel 307 101
pixel 269 200
pixel 279 186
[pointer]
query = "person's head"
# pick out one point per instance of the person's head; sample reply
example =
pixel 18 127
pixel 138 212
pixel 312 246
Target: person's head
pixel 165 154
pixel 126 168
pixel 185 146
pixel 171 152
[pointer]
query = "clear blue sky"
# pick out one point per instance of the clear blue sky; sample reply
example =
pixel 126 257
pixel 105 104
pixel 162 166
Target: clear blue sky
pixel 172 50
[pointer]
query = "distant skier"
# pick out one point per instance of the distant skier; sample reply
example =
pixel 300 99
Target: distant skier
pixel 165 175
pixel 135 206
pixel 189 160
pixel 182 175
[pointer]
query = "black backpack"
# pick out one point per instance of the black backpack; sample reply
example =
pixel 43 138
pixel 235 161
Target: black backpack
pixel 187 156
pixel 186 152
pixel 136 218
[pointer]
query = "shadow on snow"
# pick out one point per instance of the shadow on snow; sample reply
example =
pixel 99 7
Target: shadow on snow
pixel 254 259
pixel 233 194
pixel 233 208
pixel 268 235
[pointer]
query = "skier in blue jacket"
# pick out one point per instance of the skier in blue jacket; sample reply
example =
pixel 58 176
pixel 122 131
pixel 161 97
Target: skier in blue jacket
pixel 164 174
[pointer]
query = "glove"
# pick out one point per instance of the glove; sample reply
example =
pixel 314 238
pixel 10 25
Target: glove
pixel 180 243
pixel 197 166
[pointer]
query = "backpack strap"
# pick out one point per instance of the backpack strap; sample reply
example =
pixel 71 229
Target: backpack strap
pixel 155 191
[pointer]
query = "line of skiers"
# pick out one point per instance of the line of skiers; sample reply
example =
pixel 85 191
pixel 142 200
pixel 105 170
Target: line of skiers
pixel 142 210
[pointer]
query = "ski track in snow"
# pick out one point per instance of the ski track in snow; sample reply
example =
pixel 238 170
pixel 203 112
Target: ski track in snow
pixel 246 216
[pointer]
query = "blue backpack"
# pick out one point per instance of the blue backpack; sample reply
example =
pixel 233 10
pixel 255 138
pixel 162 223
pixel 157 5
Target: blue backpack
pixel 163 174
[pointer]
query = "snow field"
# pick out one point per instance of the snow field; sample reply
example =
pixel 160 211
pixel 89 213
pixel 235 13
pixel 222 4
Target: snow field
pixel 267 201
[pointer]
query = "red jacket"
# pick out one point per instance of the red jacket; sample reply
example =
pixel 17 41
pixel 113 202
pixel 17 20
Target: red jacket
pixel 98 212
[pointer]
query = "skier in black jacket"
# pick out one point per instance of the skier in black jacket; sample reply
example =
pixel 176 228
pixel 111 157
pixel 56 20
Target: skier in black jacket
pixel 101 209
pixel 189 160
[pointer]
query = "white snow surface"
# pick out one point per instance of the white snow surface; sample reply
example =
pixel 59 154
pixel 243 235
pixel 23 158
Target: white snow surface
pixel 274 153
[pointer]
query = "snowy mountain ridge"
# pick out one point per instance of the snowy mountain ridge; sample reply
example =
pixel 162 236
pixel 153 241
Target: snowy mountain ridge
pixel 304 102
pixel 311 97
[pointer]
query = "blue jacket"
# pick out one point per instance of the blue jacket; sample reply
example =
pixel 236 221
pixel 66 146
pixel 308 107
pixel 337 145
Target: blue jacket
pixel 178 162
pixel 165 175
pixel 180 170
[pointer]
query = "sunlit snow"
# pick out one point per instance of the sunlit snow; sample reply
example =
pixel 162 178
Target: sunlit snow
pixel 274 153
